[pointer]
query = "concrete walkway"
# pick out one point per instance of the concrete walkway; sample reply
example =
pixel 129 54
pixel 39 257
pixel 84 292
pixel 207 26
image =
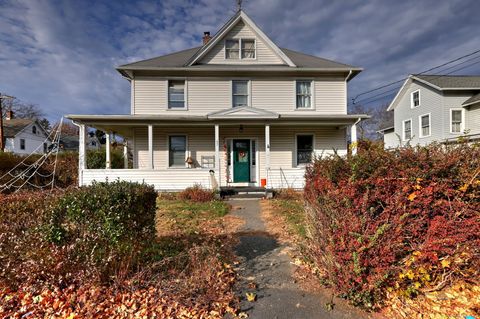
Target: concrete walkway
pixel 265 263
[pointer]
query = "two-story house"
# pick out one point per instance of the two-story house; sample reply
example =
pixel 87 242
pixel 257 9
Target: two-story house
pixel 434 108
pixel 236 111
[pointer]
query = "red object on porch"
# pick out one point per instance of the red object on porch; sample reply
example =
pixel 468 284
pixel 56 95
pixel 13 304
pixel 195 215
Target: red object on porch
pixel 263 182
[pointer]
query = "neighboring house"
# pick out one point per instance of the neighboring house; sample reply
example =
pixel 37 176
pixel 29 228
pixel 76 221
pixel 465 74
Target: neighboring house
pixel 236 111
pixel 435 108
pixel 24 136
pixel 70 142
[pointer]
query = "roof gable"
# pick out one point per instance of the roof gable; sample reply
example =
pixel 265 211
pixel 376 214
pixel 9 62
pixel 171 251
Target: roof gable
pixel 14 126
pixel 237 19
pixel 242 113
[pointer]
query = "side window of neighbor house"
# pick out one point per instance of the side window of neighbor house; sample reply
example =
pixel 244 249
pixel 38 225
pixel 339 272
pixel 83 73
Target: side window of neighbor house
pixel 456 117
pixel 177 149
pixel 415 101
pixel 34 129
pixel 304 149
pixel 45 148
pixel 176 94
pixel 22 143
pixel 304 94
pixel 239 93
pixel 425 125
pixel 407 130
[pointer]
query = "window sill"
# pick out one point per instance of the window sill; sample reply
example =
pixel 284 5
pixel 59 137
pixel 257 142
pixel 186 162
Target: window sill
pixel 177 109
pixel 305 109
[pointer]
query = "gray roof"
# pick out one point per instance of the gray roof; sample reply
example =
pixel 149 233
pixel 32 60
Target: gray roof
pixel 14 126
pixel 452 81
pixel 180 59
pixel 474 99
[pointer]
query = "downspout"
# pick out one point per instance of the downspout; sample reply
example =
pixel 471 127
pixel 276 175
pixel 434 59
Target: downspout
pixel 349 75
pixel 353 135
pixel 80 168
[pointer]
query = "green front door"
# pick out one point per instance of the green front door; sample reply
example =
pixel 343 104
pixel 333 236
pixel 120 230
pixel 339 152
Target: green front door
pixel 241 161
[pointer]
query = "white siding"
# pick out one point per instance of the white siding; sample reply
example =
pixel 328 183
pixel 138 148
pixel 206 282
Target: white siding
pixel 33 142
pixel 431 101
pixel 453 101
pixel 265 55
pixel 472 119
pixel 150 95
pixel 283 171
pixel 206 95
pixel 390 140
pixel 167 179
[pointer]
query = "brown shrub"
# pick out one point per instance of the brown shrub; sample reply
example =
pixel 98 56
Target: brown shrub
pixel 197 194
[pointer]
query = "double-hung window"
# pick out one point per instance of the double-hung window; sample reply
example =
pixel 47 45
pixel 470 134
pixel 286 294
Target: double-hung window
pixel 415 99
pixel 22 144
pixel 425 125
pixel 407 130
pixel 240 93
pixel 232 49
pixel 304 94
pixel 177 150
pixel 304 149
pixel 176 94
pixel 456 121
pixel 236 49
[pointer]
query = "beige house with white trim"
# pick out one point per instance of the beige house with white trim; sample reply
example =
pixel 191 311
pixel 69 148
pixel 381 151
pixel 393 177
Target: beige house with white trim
pixel 236 111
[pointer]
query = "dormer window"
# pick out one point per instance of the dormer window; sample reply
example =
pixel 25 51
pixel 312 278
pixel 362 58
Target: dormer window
pixel 236 49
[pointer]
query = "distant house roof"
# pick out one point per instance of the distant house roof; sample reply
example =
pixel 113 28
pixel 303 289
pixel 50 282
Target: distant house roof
pixel 445 82
pixel 387 126
pixel 14 126
pixel 69 142
pixel 473 100
pixel 179 59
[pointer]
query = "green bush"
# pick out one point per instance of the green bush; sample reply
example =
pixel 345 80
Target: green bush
pixel 104 223
pixel 96 159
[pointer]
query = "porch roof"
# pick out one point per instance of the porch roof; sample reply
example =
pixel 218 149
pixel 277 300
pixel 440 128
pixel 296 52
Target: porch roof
pixel 123 124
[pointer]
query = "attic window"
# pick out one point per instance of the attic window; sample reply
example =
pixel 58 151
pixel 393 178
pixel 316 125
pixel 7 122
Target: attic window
pixel 236 49
pixel 34 129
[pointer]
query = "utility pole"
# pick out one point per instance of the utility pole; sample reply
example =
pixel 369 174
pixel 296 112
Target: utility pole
pixel 2 139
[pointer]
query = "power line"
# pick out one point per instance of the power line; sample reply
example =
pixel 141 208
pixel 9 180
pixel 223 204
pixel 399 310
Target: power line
pixel 380 95
pixel 399 81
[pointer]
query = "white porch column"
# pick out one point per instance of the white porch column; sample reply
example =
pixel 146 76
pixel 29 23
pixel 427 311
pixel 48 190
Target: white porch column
pixel 82 158
pixel 125 154
pixel 267 152
pixel 353 135
pixel 217 154
pixel 150 146
pixel 108 163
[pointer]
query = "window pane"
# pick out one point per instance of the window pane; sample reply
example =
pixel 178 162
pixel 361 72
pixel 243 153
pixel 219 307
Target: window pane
pixel 416 98
pixel 232 49
pixel 248 49
pixel 176 94
pixel 177 149
pixel 425 121
pixel 408 130
pixel 240 100
pixel 304 94
pixel 457 116
pixel 240 87
pixel 304 149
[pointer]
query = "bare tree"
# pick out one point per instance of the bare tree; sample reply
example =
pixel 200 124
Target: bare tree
pixel 67 128
pixel 23 110
pixel 380 118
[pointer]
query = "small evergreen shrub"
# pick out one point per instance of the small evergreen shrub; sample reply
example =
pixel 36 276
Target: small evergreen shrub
pixel 399 221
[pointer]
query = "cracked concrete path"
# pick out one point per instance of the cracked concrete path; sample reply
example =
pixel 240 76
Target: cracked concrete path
pixel 266 263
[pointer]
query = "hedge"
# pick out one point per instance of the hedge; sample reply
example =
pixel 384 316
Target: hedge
pixel 404 221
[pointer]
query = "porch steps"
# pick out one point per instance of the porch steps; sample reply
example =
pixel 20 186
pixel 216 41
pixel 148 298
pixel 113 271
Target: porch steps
pixel 245 192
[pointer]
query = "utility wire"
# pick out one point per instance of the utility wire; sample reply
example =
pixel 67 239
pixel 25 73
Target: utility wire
pixel 402 80
pixel 380 95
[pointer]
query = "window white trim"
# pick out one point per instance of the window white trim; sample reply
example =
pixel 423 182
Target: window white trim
pixel 462 124
pixel 187 150
pixel 312 88
pixel 249 91
pixel 185 94
pixel 420 125
pixel 419 99
pixel 239 49
pixel 295 160
pixel 404 138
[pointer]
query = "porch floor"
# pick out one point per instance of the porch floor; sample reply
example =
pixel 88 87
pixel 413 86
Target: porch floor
pixel 245 192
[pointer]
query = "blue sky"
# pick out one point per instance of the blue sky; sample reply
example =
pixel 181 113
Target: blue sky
pixel 61 55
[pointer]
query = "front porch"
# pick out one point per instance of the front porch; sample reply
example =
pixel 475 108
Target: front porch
pixel 173 155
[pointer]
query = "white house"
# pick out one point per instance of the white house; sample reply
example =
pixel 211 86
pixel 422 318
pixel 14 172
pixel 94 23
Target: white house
pixel 435 108
pixel 236 111
pixel 24 136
